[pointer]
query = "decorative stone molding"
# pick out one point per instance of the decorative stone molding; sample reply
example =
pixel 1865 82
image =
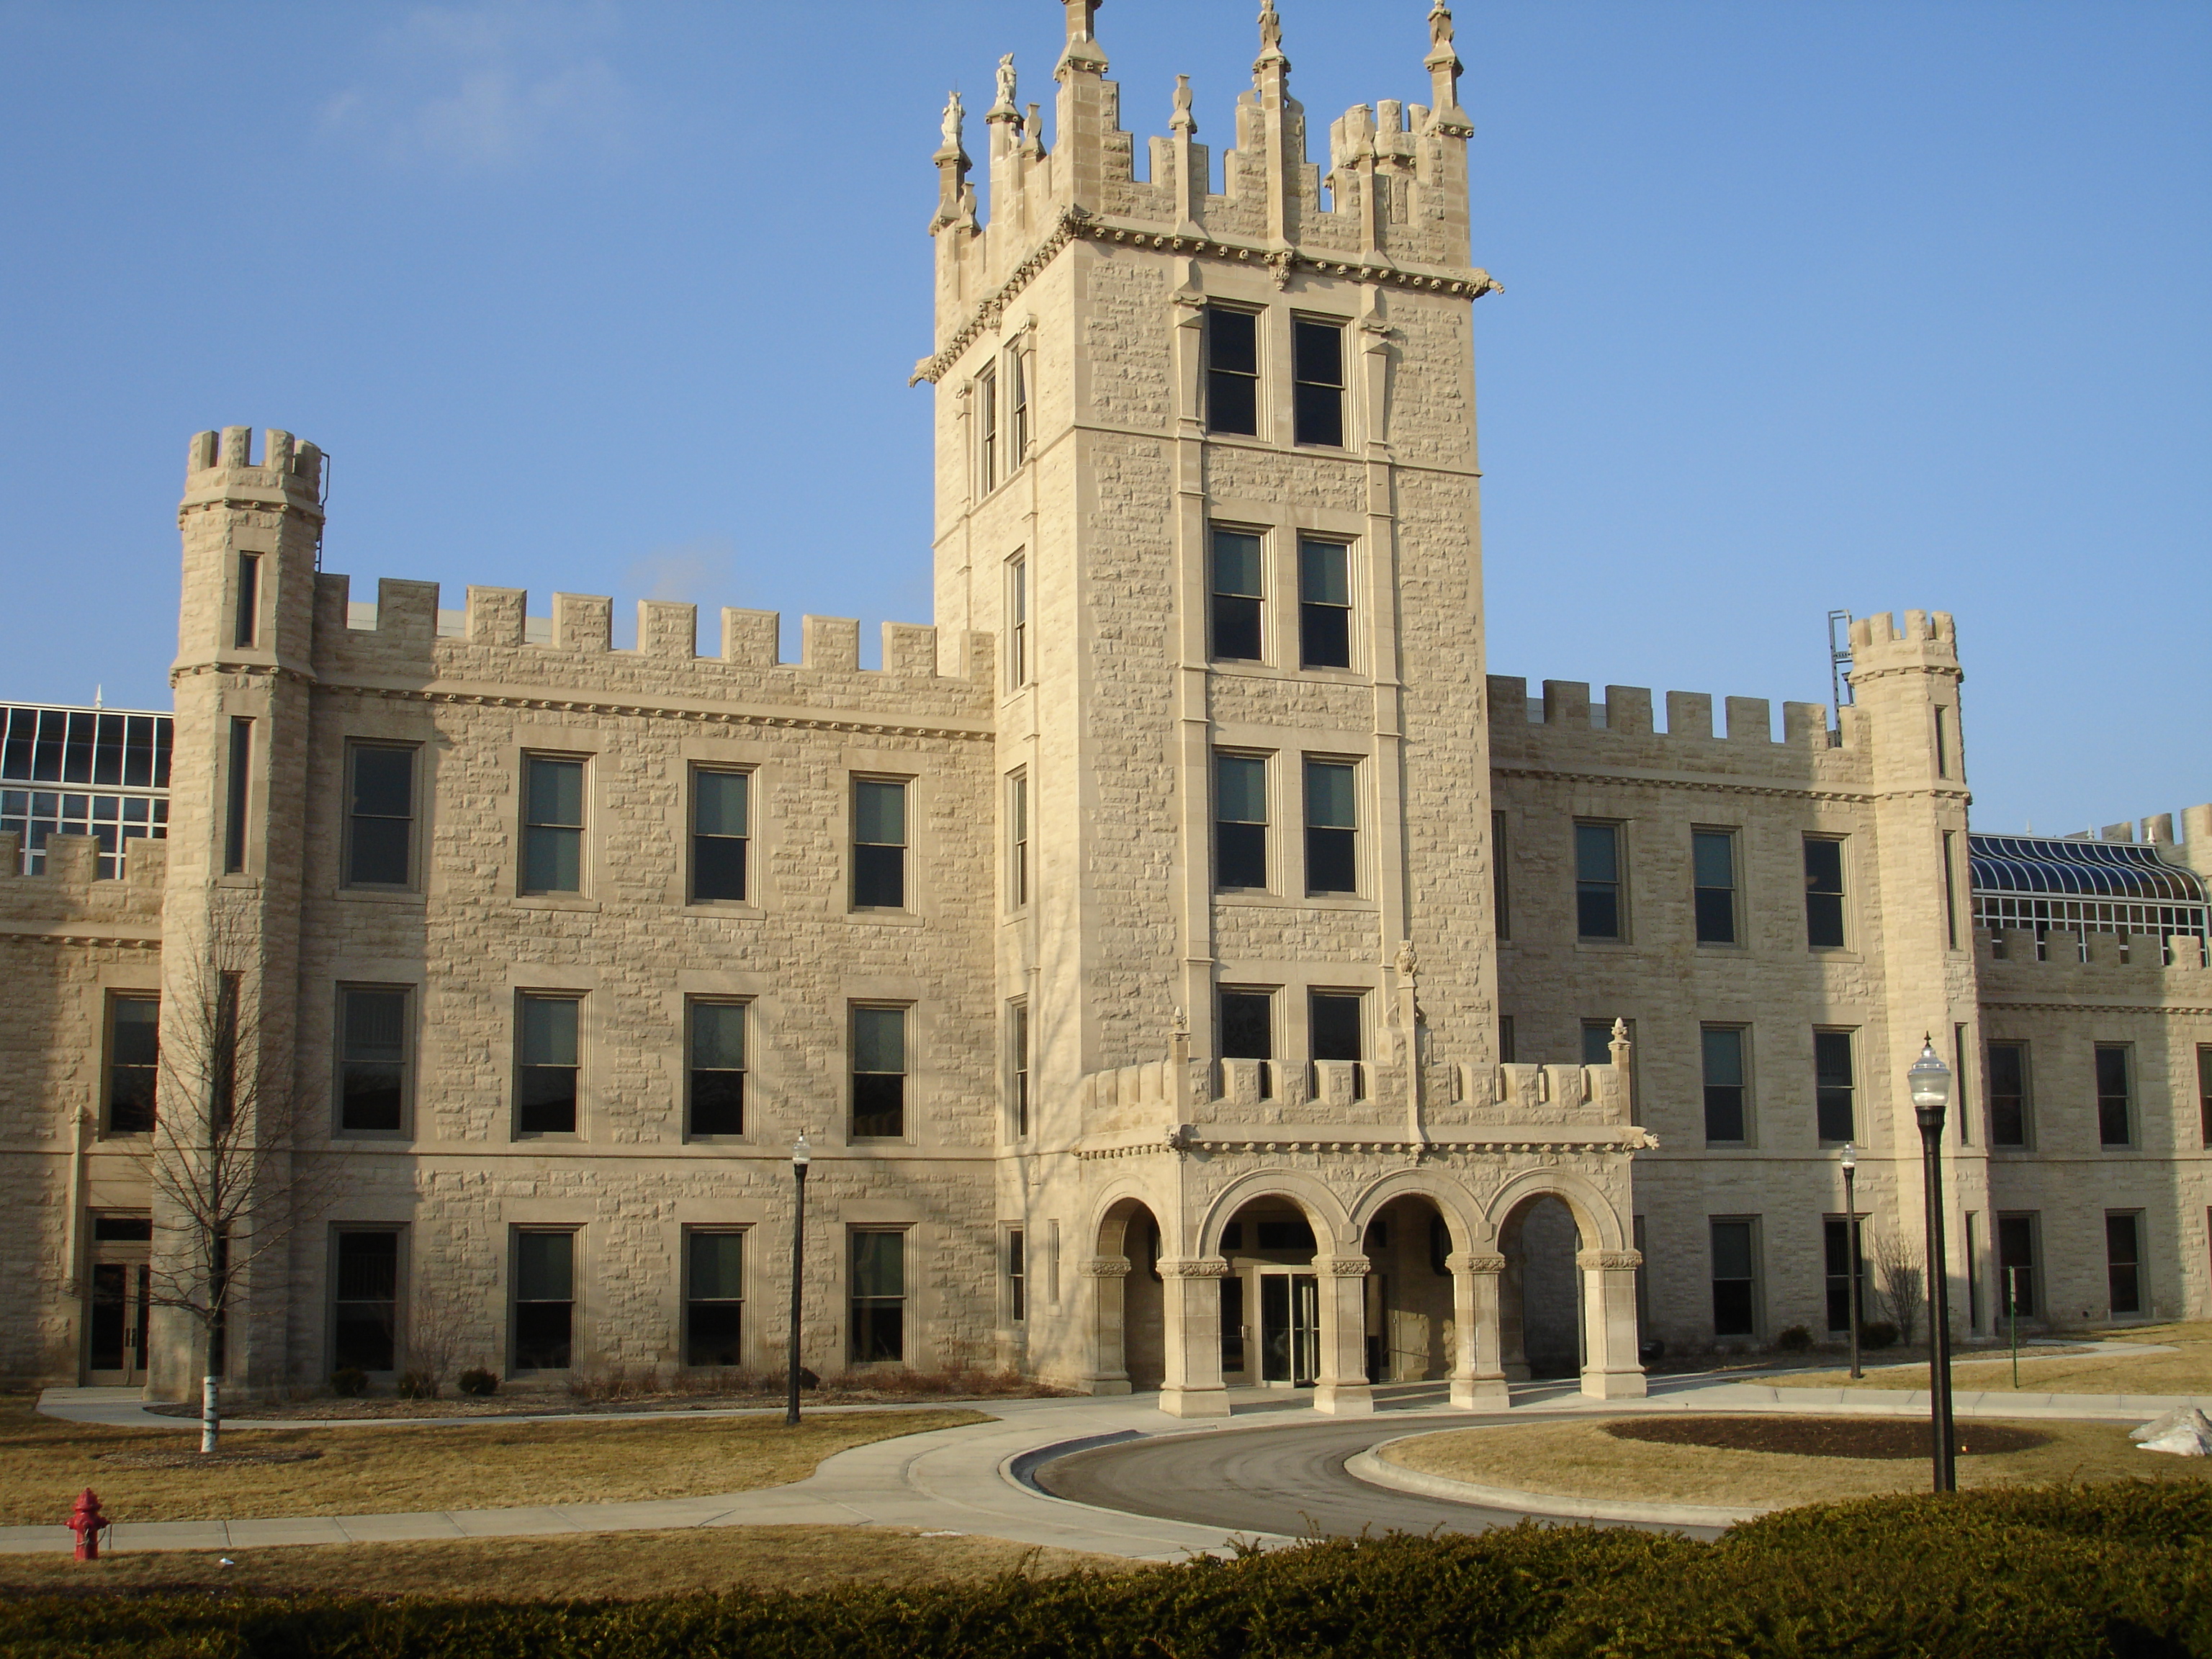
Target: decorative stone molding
pixel 1472 1263
pixel 650 711
pixel 1608 1260
pixel 1343 1267
pixel 1193 1266
pixel 1104 1266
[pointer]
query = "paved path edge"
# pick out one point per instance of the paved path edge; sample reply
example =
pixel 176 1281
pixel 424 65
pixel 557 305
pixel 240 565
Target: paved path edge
pixel 1369 1467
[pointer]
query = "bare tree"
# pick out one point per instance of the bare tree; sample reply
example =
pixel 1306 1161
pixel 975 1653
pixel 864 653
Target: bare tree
pixel 438 1325
pixel 219 1164
pixel 1899 1272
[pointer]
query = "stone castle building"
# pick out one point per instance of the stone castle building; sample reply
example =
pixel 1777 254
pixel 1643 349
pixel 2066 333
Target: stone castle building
pixel 1189 967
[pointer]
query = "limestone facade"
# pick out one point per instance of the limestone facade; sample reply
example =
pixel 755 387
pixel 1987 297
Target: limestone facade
pixel 1232 1011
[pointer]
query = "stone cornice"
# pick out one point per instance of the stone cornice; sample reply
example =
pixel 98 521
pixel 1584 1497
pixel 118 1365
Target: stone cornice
pixel 48 936
pixel 2102 1008
pixel 1718 786
pixel 1077 224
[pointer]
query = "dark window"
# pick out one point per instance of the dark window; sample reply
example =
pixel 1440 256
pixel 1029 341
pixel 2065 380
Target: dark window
pixel 879 1322
pixel 239 781
pixel 1018 1297
pixel 372 1060
pixel 1834 1085
pixel 1598 880
pixel 1505 1048
pixel 123 1229
pixel 1726 1092
pixel 380 815
pixel 1942 744
pixel 714 1299
pixel 553 825
pixel 878 844
pixel 1017 1044
pixel 1317 381
pixel 134 1056
pixel 1018 837
pixel 2124 1261
pixel 1238 592
pixel 1837 1244
pixel 1333 1024
pixel 1500 893
pixel 1017 623
pixel 2204 1093
pixel 223 1082
pixel 544 1300
pixel 1018 408
pixel 248 619
pixel 717 1079
pixel 1962 1089
pixel 1823 893
pixel 1735 1301
pixel 1332 828
pixel 1240 827
pixel 1324 604
pixel 2113 1127
pixel 1248 1031
pixel 987 427
pixel 721 832
pixel 2008 1087
pixel 545 1065
pixel 1295 1235
pixel 878 1072
pixel 1712 853
pixel 365 1279
pixel 1950 889
pixel 2016 1264
pixel 1233 370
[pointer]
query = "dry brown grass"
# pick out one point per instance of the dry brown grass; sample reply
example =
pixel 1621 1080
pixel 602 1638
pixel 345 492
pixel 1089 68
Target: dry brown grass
pixel 622 1566
pixel 2187 1371
pixel 1581 1460
pixel 45 1463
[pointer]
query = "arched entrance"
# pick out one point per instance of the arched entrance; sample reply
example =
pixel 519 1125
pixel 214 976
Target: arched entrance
pixel 1540 1298
pixel 1271 1313
pixel 1130 1315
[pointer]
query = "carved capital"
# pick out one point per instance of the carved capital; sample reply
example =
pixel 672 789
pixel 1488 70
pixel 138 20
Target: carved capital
pixel 1468 1261
pixel 1104 1266
pixel 1608 1260
pixel 1343 1267
pixel 1193 1266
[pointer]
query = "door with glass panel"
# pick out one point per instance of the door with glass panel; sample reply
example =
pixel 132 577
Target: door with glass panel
pixel 1289 1329
pixel 118 1301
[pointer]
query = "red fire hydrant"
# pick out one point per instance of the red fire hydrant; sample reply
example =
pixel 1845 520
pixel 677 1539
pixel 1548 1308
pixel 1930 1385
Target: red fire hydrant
pixel 87 1523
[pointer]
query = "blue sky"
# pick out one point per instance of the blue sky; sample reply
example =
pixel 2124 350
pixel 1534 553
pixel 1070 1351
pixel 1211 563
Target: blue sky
pixel 1808 304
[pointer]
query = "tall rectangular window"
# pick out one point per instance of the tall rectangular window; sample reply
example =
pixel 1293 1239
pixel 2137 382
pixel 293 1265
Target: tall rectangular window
pixel 134 1057
pixel 1823 893
pixel 715 1297
pixel 1951 889
pixel 2123 1261
pixel 1943 742
pixel 715 1081
pixel 1239 591
pixel 1727 1092
pixel 236 795
pixel 372 1059
pixel 230 991
pixel 878 844
pixel 1248 1031
pixel 1232 371
pixel 2016 1291
pixel 1240 823
pixel 1332 828
pixel 1506 1049
pixel 1598 880
pixel 1017 1276
pixel 1324 604
pixel 1834 1086
pixel 544 1299
pixel 878 1302
pixel 1501 892
pixel 2008 1090
pixel 1837 1247
pixel 1333 1024
pixel 1017 1062
pixel 1712 857
pixel 2115 1126
pixel 380 832
pixel 552 825
pixel 1735 1278
pixel 247 623
pixel 721 835
pixel 1963 1091
pixel 2204 1093
pixel 1317 381
pixel 878 1072
pixel 987 431
pixel 1018 840
pixel 545 1064
pixel 1017 623
pixel 1017 407
pixel 365 1299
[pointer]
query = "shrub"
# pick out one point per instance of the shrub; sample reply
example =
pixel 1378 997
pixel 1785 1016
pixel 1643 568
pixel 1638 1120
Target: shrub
pixel 1796 1339
pixel 1878 1333
pixel 416 1385
pixel 349 1382
pixel 477 1381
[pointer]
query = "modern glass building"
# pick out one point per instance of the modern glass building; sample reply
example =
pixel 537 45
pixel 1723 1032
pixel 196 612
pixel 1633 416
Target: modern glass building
pixel 69 771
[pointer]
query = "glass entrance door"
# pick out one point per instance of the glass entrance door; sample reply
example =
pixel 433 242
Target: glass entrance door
pixel 121 1302
pixel 1290 1329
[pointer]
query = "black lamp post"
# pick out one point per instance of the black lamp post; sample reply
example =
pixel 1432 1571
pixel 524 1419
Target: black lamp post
pixel 801 1156
pixel 1929 1079
pixel 1851 1244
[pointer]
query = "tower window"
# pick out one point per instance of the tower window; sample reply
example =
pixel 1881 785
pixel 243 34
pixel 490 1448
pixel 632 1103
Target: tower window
pixel 1712 854
pixel 1232 371
pixel 1324 604
pixel 721 803
pixel 248 619
pixel 1240 826
pixel 1317 381
pixel 1332 828
pixel 1237 593
pixel 878 844
pixel 1823 893
pixel 236 796
pixel 380 815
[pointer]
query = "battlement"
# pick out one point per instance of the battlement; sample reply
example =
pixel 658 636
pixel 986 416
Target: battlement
pixel 2192 847
pixel 2176 958
pixel 1928 639
pixel 1627 711
pixel 286 461
pixel 1392 202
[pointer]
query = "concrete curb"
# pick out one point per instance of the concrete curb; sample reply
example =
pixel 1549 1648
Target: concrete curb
pixel 1368 1467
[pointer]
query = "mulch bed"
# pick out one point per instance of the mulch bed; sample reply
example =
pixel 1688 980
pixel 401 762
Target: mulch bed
pixel 1886 1438
pixel 202 1460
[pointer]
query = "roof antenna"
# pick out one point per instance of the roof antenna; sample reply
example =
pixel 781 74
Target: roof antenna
pixel 1839 661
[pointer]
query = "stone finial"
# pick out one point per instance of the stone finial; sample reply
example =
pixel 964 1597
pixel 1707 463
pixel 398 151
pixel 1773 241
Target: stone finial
pixel 1619 1047
pixel 1082 52
pixel 954 200
pixel 949 127
pixel 1183 120
pixel 1003 106
pixel 1271 41
pixel 1443 67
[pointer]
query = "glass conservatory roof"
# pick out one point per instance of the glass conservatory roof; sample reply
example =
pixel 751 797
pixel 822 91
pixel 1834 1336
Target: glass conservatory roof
pixel 2095 869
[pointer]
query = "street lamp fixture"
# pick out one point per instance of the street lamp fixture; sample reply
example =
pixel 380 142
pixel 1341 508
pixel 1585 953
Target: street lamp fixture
pixel 1929 1082
pixel 801 1156
pixel 1851 1160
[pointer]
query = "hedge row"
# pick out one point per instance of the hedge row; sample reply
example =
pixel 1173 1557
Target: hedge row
pixel 2111 1569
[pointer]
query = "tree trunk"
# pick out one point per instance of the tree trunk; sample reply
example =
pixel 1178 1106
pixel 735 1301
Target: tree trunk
pixel 210 1413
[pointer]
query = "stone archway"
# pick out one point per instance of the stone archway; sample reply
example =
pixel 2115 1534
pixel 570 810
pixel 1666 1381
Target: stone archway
pixel 1540 1311
pixel 1290 1293
pixel 1412 1328
pixel 1129 1337
pixel 1566 1270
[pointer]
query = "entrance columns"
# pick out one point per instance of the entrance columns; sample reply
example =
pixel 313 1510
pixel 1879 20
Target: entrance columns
pixel 1110 1368
pixel 1611 1367
pixel 1342 1387
pixel 1477 1371
pixel 1191 1294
